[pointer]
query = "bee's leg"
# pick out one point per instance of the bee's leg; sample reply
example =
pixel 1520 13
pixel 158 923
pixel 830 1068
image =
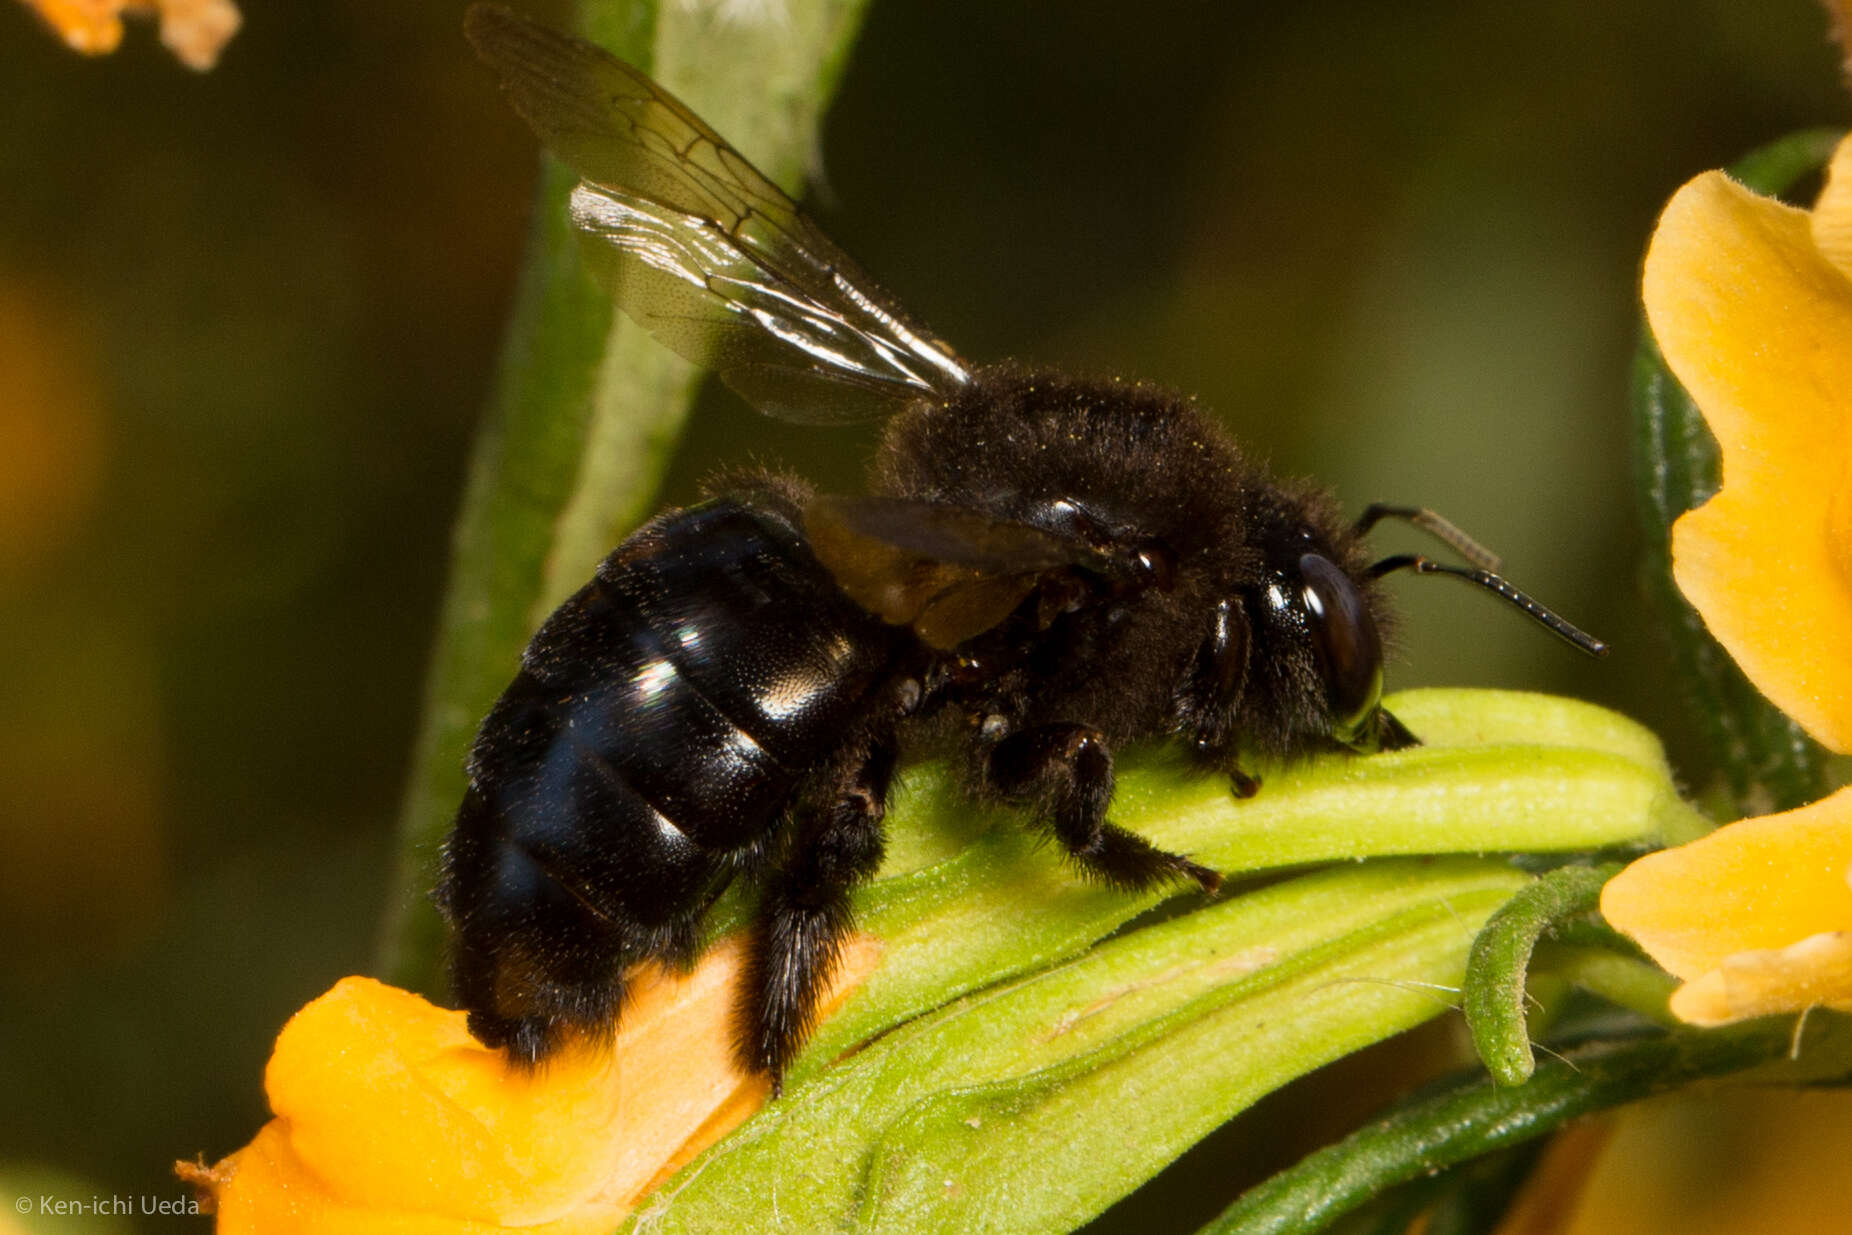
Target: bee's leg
pixel 1066 771
pixel 1394 734
pixel 1241 784
pixel 804 915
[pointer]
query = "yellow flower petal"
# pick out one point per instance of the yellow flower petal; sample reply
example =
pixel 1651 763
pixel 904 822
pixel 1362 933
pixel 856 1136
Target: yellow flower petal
pixel 1816 972
pixel 1756 321
pixel 391 1117
pixel 1832 214
pixel 1754 916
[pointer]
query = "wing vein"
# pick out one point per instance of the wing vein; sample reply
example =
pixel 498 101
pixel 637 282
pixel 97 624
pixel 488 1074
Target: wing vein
pixel 705 251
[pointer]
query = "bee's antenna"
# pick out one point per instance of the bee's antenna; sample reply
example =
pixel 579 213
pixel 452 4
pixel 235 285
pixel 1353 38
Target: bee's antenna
pixel 1439 528
pixel 1576 638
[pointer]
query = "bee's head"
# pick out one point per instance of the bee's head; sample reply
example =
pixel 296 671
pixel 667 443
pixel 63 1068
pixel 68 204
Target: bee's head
pixel 1316 637
pixel 1321 622
pixel 1293 656
pixel 1316 618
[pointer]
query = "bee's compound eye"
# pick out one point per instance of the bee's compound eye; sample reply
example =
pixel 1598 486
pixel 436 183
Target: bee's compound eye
pixel 1344 632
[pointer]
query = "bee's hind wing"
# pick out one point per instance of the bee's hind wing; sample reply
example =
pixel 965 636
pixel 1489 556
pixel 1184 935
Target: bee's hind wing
pixel 948 572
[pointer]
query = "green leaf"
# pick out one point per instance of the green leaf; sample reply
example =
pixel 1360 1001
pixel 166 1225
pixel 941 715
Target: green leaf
pixel 968 898
pixel 586 408
pixel 1767 761
pixel 996 1112
pixel 1016 1008
pixel 1775 169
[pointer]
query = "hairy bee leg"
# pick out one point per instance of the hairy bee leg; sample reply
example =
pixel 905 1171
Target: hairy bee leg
pixel 1241 784
pixel 804 916
pixel 1068 769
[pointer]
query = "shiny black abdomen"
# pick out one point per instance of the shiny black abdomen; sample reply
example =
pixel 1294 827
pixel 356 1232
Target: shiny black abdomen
pixel 663 718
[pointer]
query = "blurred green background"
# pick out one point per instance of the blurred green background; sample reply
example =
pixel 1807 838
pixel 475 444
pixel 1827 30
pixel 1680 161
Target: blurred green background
pixel 248 319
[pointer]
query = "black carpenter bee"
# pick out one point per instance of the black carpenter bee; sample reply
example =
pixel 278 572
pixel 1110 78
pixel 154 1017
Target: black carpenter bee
pixel 1049 566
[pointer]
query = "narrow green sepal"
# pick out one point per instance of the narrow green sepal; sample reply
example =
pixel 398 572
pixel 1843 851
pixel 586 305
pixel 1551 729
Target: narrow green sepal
pixel 1500 960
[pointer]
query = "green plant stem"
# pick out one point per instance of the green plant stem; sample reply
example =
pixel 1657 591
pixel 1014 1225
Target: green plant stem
pixel 1641 988
pixel 1478 1116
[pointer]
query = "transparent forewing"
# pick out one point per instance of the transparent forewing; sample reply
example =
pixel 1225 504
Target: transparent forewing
pixel 703 250
pixel 786 349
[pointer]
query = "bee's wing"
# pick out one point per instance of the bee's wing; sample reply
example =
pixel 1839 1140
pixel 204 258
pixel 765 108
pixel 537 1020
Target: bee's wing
pixel 949 572
pixel 704 251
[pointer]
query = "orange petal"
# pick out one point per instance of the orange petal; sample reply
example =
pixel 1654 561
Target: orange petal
pixel 389 1113
pixel 196 31
pixel 1748 914
pixel 266 1188
pixel 391 1102
pixel 93 27
pixel 1757 324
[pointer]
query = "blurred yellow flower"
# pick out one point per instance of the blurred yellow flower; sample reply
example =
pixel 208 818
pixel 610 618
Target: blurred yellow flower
pixel 54 423
pixel 1730 1160
pixel 390 1116
pixel 196 31
pixel 1751 302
